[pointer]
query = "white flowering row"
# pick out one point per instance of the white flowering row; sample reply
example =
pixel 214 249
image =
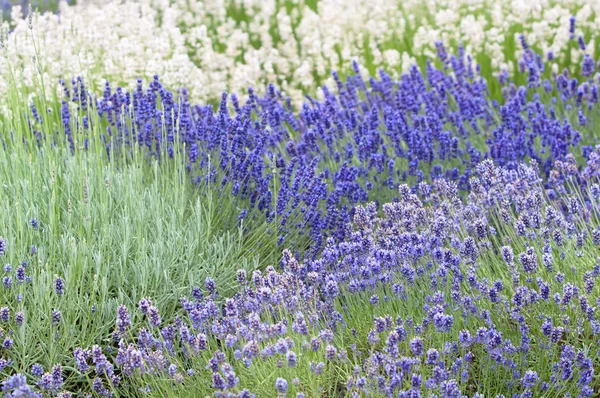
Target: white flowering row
pixel 212 45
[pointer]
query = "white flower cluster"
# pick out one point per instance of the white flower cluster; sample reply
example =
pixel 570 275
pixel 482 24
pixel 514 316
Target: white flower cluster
pixel 492 28
pixel 214 45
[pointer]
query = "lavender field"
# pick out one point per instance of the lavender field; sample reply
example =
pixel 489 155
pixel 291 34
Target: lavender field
pixel 300 198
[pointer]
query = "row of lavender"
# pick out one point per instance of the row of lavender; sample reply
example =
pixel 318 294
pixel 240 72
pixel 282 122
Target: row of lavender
pixel 529 319
pixel 304 173
pixel 430 297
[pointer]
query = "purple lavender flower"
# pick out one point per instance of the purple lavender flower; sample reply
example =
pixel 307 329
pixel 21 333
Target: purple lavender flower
pixel 331 288
pixel 581 43
pixel 17 384
pixel 144 305
pixel 315 344
pixel 210 286
pixel 432 356
pixel 330 352
pixel 4 314
pixel 507 254
pixel 318 368
pixel 56 316
pixel 281 385
pixel 530 379
pixel 529 261
pixel 588 66
pixel 123 320
pixel 59 286
pixel 19 318
pixel 7 343
pixel 57 377
pixel 251 349
pixel 416 346
pixel 299 325
pixel 572 27
pixel 291 359
pixel 172 370
pixel 443 322
pixel 81 357
pixel 154 316
pixel 99 388
pixel 20 273
pixel 241 277
pixel 37 370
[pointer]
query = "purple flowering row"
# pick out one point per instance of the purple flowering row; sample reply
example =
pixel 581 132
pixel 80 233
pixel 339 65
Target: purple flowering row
pixel 433 295
pixel 305 172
